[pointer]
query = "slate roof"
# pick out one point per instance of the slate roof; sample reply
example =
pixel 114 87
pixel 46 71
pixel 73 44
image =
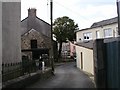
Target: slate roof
pixel 89 44
pixel 86 44
pixel 33 22
pixel 37 18
pixel 101 23
pixel 37 24
pixel 105 22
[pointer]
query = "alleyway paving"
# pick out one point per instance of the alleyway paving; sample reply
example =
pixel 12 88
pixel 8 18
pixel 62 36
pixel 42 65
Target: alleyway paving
pixel 66 76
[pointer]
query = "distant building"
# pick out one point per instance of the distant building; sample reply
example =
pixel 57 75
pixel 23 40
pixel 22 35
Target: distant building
pixel 85 39
pixel 68 50
pixel 72 49
pixel 65 52
pixel 35 36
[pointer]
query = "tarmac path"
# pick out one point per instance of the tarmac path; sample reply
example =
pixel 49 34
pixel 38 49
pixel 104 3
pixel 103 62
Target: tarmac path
pixel 66 76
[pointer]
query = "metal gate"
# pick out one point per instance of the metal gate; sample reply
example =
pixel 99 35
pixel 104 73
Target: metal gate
pixel 112 59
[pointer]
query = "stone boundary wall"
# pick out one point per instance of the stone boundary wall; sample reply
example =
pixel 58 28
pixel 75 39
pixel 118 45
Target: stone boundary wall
pixel 24 81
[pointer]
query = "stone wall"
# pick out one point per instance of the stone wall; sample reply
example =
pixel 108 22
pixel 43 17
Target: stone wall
pixel 42 40
pixel 34 28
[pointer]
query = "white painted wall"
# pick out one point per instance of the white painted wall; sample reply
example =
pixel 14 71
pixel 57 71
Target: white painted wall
pixel 114 26
pixel 88 64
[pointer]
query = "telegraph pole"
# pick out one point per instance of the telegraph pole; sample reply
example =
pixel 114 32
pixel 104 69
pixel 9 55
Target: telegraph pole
pixel 51 17
pixel 118 12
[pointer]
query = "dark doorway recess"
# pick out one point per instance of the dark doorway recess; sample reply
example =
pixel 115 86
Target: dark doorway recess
pixel 37 52
pixel 34 43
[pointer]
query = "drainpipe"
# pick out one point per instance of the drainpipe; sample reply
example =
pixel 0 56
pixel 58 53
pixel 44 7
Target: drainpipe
pixel 118 12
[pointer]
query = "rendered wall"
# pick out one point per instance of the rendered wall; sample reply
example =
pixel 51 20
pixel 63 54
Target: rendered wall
pixel 11 36
pixel 79 34
pixel 87 56
pixel 0 45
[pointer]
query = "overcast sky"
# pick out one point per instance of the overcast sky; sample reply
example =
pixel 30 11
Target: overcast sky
pixel 83 12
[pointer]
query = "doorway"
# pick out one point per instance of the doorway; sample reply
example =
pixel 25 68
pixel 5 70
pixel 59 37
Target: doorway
pixel 34 43
pixel 81 54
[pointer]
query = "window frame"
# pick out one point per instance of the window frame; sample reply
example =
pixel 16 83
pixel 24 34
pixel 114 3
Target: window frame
pixel 108 30
pixel 87 36
pixel 97 35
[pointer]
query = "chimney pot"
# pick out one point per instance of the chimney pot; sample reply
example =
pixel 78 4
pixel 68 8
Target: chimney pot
pixel 31 12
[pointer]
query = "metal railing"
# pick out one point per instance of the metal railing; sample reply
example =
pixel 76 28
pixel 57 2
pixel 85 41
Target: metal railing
pixel 14 70
pixel 11 70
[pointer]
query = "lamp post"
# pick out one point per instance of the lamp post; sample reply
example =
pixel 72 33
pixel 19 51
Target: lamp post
pixel 118 12
pixel 51 17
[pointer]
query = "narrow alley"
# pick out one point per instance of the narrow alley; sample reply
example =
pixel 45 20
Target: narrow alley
pixel 66 76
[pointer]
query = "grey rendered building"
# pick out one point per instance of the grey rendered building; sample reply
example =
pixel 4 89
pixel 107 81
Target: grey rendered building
pixel 10 43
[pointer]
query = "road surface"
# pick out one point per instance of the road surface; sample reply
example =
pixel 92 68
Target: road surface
pixel 66 76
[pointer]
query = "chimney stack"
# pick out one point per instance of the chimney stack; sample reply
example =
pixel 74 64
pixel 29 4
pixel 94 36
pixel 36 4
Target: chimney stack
pixel 31 12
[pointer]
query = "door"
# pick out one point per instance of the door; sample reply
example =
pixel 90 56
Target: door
pixel 81 54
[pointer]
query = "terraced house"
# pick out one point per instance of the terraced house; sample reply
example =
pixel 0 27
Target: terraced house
pixel 85 40
pixel 103 29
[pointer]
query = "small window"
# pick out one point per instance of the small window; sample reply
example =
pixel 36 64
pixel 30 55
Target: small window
pixel 108 33
pixel 33 43
pixel 87 36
